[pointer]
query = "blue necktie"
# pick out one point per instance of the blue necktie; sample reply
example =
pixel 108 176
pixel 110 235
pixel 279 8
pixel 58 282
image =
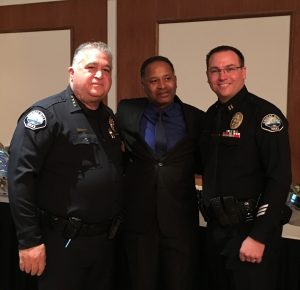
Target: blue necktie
pixel 160 137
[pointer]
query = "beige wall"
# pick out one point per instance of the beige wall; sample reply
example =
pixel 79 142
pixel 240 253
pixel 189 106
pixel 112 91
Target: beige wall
pixel 33 66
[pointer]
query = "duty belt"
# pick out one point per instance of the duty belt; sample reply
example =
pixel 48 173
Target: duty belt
pixel 72 227
pixel 227 210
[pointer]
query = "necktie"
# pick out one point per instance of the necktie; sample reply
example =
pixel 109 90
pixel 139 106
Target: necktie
pixel 160 136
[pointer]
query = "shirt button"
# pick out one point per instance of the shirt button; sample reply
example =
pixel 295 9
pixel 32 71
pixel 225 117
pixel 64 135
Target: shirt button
pixel 160 164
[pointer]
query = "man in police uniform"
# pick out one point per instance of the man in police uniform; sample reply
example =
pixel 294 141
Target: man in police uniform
pixel 64 179
pixel 246 178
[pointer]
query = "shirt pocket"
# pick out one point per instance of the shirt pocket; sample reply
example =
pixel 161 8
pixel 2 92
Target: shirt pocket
pixel 86 150
pixel 84 139
pixel 230 141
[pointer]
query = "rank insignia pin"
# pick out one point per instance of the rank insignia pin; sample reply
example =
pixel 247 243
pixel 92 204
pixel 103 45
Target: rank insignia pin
pixel 74 102
pixel 112 128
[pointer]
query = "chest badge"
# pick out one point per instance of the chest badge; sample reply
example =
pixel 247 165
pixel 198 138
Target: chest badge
pixel 236 120
pixel 112 128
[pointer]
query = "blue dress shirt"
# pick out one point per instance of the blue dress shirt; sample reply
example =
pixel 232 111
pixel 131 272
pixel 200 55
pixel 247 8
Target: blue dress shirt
pixel 173 121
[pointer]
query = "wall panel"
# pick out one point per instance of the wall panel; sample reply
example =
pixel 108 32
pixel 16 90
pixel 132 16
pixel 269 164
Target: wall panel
pixel 87 19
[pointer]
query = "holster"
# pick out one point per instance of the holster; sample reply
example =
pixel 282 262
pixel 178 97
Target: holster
pixel 72 227
pixel 229 211
pixel 225 210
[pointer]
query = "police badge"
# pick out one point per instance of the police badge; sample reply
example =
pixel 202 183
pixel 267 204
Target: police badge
pixel 236 120
pixel 112 128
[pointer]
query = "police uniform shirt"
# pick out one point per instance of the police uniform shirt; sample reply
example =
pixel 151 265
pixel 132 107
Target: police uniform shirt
pixel 60 162
pixel 246 154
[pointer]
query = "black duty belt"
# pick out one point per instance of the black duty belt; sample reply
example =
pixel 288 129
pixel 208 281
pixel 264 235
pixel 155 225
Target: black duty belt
pixel 72 227
pixel 228 210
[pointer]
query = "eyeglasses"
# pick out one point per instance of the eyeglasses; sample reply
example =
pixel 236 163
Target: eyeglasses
pixel 227 69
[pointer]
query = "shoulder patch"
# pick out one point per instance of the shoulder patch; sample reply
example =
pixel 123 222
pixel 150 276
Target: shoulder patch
pixel 35 120
pixel 271 123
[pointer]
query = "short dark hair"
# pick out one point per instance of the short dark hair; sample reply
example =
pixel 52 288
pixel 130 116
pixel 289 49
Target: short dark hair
pixel 226 48
pixel 154 59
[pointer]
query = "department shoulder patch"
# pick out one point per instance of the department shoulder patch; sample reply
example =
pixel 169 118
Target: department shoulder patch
pixel 271 123
pixel 35 120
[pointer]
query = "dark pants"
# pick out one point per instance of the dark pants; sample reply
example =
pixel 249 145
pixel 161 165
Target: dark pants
pixel 86 264
pixel 226 270
pixel 157 262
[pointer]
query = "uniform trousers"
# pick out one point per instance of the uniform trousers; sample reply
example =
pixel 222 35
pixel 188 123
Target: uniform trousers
pixel 158 262
pixel 227 272
pixel 87 263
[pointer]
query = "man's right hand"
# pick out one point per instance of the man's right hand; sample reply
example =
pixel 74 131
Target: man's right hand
pixel 33 260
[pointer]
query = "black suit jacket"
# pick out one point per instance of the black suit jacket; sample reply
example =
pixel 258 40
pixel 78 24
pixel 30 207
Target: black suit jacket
pixel 160 191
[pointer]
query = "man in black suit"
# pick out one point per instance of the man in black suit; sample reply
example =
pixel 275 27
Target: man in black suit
pixel 161 220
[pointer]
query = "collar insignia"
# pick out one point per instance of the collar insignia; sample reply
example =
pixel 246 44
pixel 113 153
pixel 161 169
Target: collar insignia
pixel 74 102
pixel 230 107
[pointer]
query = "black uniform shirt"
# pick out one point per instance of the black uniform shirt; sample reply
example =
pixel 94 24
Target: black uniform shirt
pixel 247 155
pixel 65 160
